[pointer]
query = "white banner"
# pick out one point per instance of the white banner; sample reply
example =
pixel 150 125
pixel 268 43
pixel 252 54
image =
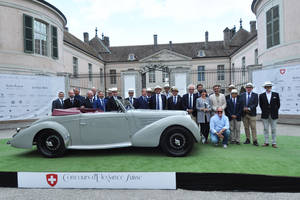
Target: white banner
pixel 28 97
pixel 286 81
pixel 106 180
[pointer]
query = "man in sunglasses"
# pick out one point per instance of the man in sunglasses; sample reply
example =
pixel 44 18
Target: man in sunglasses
pixel 219 128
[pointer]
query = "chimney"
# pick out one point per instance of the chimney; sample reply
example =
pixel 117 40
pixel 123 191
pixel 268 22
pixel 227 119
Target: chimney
pixel 86 37
pixel 226 37
pixel 206 39
pixel 106 41
pixel 252 26
pixel 170 45
pixel 66 29
pixel 155 40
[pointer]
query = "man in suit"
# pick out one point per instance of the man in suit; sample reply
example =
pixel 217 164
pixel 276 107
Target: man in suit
pixel 95 96
pixel 158 101
pixel 101 102
pixel 189 102
pixel 234 113
pixel 217 99
pixel 175 101
pixel 269 103
pixel 132 100
pixel 78 96
pixel 59 102
pixel 230 88
pixel 111 103
pixel 71 102
pixel 249 101
pixel 149 93
pixel 142 101
pixel 109 94
pixel 89 100
pixel 167 92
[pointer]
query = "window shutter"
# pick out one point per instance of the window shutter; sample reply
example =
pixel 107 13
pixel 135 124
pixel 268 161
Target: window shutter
pixel 28 33
pixel 54 42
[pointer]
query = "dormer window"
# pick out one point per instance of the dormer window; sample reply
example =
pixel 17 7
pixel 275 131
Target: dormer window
pixel 131 56
pixel 201 53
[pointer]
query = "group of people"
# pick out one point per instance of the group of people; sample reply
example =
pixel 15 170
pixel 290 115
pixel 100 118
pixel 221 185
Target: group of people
pixel 218 115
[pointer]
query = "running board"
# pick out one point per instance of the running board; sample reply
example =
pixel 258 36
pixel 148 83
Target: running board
pixel 103 146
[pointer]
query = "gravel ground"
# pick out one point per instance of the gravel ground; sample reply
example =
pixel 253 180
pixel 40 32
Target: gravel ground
pixel 73 194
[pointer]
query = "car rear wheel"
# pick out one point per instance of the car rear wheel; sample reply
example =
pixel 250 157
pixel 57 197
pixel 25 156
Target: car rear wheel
pixel 177 141
pixel 50 144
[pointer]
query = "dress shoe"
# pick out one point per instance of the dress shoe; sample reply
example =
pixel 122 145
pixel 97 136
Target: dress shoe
pixel 238 143
pixel 255 143
pixel 274 146
pixel 265 145
pixel 232 142
pixel 247 141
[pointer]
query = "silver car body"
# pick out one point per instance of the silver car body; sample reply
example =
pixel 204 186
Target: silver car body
pixel 139 128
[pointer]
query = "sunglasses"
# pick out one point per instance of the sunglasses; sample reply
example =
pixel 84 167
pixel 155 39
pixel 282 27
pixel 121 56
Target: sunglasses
pixel 219 111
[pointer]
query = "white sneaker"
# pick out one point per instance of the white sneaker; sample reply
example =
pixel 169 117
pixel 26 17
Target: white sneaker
pixel 225 146
pixel 203 140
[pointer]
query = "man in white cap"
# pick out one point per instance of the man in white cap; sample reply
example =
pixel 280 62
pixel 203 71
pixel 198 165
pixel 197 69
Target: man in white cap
pixel 158 101
pixel 109 94
pixel 230 88
pixel 269 103
pixel 234 112
pixel 249 101
pixel 175 101
pixel 111 104
pixel 167 92
pixel 149 93
pixel 131 98
pixel 143 101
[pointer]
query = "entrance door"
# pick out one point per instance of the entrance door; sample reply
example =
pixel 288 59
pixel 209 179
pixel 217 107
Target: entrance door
pixel 180 82
pixel 129 83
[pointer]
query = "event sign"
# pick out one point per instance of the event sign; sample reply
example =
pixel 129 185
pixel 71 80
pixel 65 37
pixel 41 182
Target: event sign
pixel 28 97
pixel 286 81
pixel 102 180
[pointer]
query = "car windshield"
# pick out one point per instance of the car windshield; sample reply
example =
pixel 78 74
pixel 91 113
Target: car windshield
pixel 124 105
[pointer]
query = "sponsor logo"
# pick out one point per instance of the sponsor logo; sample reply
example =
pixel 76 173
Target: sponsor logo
pixel 52 179
pixel 282 71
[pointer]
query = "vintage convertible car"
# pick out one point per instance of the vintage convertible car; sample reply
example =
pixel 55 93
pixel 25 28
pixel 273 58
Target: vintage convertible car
pixel 174 131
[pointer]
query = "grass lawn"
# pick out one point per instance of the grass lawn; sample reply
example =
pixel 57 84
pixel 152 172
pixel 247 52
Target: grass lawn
pixel 284 161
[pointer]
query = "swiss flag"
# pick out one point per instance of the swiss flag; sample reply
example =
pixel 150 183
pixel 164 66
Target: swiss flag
pixel 51 179
pixel 282 71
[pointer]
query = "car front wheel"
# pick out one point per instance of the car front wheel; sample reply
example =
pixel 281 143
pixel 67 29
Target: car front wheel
pixel 50 144
pixel 177 141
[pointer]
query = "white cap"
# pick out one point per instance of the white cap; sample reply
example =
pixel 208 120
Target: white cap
pixel 268 84
pixel 249 85
pixel 231 86
pixel 174 89
pixel 167 86
pixel 114 89
pixel 234 91
pixel 157 87
pixel 130 90
pixel 109 90
pixel 149 90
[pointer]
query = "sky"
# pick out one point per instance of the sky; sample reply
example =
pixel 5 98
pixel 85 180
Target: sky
pixel 134 22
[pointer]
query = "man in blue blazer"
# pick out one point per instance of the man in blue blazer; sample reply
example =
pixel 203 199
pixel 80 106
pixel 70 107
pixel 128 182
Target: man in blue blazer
pixel 142 101
pixel 59 102
pixel 234 112
pixel 158 101
pixel 101 102
pixel 249 101
pixel 175 101
pixel 78 97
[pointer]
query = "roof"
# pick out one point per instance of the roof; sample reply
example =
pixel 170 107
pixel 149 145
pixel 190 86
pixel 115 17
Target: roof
pixel 75 42
pixel 98 45
pixel 120 53
pixel 54 8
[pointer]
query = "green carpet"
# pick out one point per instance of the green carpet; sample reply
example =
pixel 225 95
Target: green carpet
pixel 284 161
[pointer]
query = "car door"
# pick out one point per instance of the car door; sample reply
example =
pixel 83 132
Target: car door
pixel 104 128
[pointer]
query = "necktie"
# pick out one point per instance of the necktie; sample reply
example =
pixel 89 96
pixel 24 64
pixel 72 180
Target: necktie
pixel 72 101
pixel 248 99
pixel 91 100
pixel 175 100
pixel 190 104
pixel 157 102
pixel 234 104
pixel 131 101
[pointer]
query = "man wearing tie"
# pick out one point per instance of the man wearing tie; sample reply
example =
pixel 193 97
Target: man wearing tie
pixel 78 96
pixel 100 102
pixel 189 102
pixel 167 92
pixel 175 101
pixel 142 101
pixel 111 103
pixel 131 99
pixel 89 100
pixel 149 93
pixel 249 101
pixel 94 90
pixel 269 103
pixel 59 102
pixel 71 102
pixel 158 101
pixel 234 111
